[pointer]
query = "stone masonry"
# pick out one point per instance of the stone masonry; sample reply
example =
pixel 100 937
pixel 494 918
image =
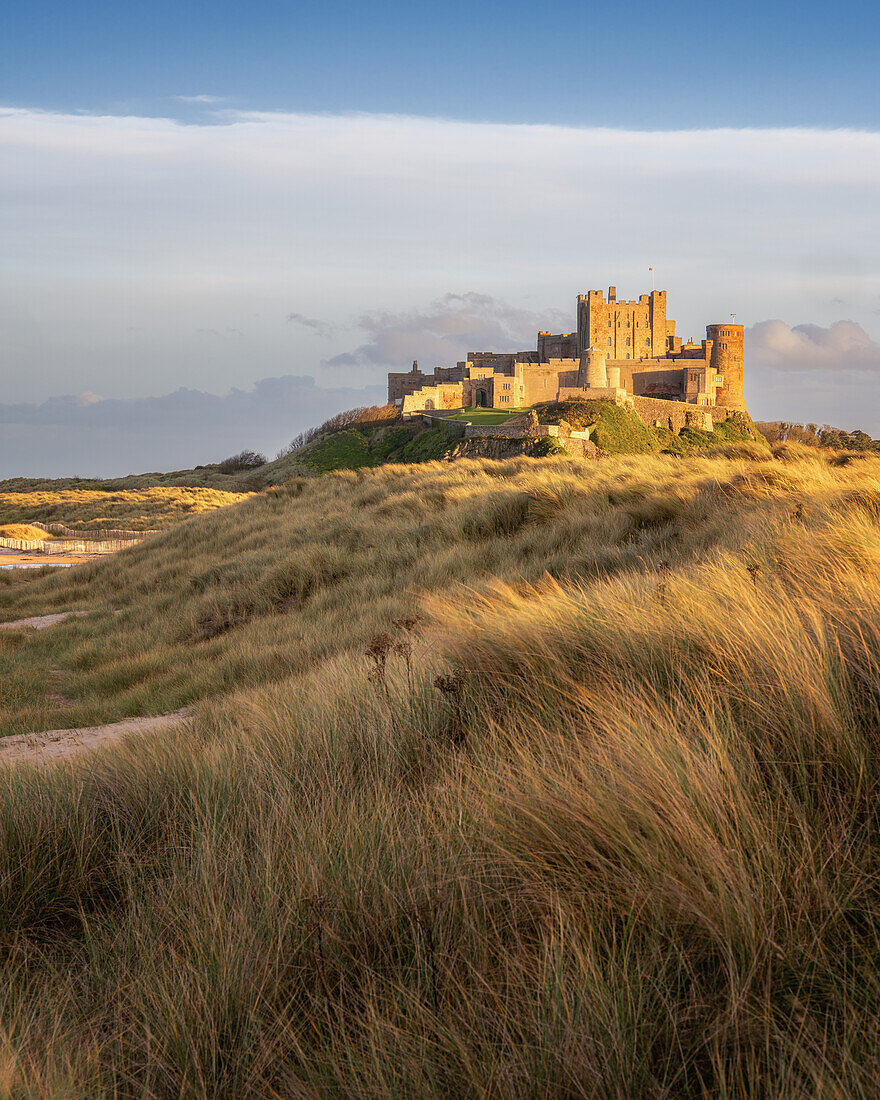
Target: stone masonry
pixel 622 350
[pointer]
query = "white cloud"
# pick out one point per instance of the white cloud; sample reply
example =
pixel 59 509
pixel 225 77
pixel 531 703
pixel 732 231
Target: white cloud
pixel 445 331
pixel 842 346
pixel 200 98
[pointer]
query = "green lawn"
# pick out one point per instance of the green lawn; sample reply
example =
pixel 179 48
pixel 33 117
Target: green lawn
pixel 484 416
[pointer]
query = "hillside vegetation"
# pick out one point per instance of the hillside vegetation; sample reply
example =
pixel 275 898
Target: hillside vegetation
pixel 370 437
pixel 526 778
pixel 92 509
pixel 616 429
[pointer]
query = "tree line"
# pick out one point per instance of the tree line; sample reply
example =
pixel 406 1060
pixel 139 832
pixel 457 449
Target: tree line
pixel 815 435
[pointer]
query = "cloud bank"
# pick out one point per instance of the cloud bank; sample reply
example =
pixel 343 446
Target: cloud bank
pixel 89 436
pixel 811 373
pixel 141 255
pixel 791 373
pixel 842 346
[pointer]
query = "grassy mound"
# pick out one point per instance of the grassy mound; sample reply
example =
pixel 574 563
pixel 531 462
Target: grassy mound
pixel 737 431
pixel 614 429
pixel 22 531
pixel 370 447
pixel 509 778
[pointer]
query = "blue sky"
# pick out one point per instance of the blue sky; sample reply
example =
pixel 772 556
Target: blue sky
pixel 642 64
pixel 256 210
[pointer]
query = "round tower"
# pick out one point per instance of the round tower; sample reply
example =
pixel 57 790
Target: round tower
pixel 727 360
pixel 592 374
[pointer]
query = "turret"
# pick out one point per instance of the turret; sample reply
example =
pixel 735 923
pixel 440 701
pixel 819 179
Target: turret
pixel 728 361
pixel 592 374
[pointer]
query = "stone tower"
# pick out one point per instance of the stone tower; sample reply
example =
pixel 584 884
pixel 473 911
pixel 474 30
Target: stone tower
pixel 727 360
pixel 624 329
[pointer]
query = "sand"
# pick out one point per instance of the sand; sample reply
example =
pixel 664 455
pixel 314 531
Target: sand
pixel 58 745
pixel 27 557
pixel 40 622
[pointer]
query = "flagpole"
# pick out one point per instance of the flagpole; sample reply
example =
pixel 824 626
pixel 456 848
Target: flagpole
pixel 651 269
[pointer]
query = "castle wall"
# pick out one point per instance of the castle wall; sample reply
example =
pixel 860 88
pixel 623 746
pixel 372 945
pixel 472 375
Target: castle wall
pixel 677 415
pixel 649 381
pixel 404 383
pixel 448 396
pixel 563 346
pixel 541 381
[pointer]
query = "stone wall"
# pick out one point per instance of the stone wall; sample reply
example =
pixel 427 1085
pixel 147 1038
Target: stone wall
pixel 541 381
pixel 446 396
pixel 498 431
pixel 676 415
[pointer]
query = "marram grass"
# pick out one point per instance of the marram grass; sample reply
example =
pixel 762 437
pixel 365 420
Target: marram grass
pixel 92 509
pixel 594 816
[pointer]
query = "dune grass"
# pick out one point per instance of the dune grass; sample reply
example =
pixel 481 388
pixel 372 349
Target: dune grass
pixel 22 531
pixel 601 823
pixel 93 509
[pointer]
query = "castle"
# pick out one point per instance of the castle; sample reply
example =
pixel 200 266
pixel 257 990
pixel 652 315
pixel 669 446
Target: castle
pixel 624 351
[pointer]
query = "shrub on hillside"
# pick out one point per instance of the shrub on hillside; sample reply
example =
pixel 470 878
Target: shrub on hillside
pixel 366 416
pixel 244 460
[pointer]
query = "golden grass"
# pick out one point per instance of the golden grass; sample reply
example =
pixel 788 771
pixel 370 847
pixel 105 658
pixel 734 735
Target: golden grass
pixel 22 531
pixel 602 824
pixel 134 509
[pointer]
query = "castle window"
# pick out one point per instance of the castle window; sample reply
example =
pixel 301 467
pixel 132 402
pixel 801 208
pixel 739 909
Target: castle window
pixel 627 355
pixel 724 346
pixel 505 386
pixel 627 341
pixel 609 341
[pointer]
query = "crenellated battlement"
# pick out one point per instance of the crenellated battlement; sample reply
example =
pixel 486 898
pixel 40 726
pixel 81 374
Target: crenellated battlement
pixel 628 347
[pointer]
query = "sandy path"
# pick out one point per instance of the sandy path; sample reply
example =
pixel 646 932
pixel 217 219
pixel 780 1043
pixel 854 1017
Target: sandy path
pixel 40 622
pixel 26 557
pixel 44 748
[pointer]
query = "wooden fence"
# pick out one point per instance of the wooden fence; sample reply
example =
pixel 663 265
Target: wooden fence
pixel 98 535
pixel 68 546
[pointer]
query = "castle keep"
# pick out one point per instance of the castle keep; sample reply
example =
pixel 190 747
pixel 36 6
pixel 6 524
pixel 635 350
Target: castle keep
pixel 625 351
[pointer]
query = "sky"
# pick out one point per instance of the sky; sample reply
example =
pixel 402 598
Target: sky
pixel 222 223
